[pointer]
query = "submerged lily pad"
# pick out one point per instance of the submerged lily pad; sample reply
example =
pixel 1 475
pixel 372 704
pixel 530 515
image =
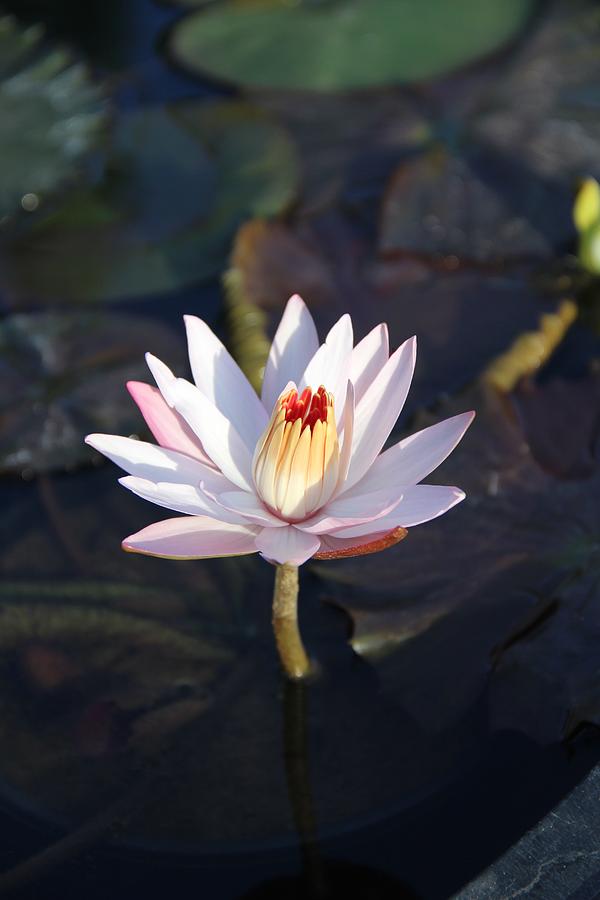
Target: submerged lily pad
pixel 63 377
pixel 51 114
pixel 513 600
pixel 177 184
pixel 347 44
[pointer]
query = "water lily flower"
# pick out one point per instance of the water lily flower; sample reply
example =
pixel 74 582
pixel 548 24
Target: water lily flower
pixel 296 473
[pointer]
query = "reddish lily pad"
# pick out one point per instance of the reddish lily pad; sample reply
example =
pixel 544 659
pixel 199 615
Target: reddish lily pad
pixel 463 318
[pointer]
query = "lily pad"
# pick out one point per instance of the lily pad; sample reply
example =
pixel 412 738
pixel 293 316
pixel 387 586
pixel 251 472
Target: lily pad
pixel 64 377
pixel 52 115
pixel 513 601
pixel 342 45
pixel 273 261
pixel 496 176
pixel 475 204
pixel 177 184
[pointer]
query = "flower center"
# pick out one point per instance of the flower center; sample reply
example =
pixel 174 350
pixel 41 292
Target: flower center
pixel 296 461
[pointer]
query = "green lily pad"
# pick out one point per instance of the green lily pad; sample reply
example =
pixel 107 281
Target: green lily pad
pixel 348 44
pixel 64 377
pixel 177 184
pixel 51 113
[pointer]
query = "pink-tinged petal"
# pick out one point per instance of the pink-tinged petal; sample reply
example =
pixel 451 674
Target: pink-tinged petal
pixel 420 503
pixel 220 379
pixel 376 414
pixel 343 548
pixel 345 511
pixel 192 537
pixel 415 457
pixel 167 426
pixel 183 498
pixel 248 506
pixel 216 432
pixel 155 463
pixel 294 345
pixel 368 359
pixel 346 437
pixel 286 545
pixel 331 364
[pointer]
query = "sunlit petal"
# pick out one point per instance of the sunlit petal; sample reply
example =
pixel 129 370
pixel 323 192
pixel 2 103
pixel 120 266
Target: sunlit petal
pixel 294 345
pixel 192 537
pixel 286 545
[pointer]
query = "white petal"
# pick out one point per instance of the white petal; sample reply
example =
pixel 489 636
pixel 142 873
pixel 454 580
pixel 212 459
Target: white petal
pixel 192 537
pixel 220 379
pixel 346 437
pixel 183 498
pixel 346 511
pixel 419 504
pixel 331 363
pixel 287 545
pixel 368 359
pixel 249 506
pixel 163 376
pixel 217 433
pixel 294 345
pixel 415 457
pixel 376 414
pixel 156 463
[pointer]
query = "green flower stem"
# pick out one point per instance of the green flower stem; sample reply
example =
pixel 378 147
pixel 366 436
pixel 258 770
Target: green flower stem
pixel 285 623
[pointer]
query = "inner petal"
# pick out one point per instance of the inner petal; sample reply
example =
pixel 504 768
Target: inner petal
pixel 296 461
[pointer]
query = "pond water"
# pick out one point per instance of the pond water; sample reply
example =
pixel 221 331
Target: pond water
pixel 148 742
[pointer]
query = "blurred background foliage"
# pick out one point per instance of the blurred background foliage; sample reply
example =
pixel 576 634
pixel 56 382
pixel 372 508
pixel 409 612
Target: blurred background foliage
pixel 428 164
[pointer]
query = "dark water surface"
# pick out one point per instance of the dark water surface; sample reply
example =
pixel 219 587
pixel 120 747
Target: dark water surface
pixel 147 743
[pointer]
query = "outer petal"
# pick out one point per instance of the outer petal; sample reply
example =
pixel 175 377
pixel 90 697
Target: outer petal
pixel 287 545
pixel 294 345
pixel 331 363
pixel 368 359
pixel 345 511
pixel 156 463
pixel 415 457
pixel 249 506
pixel 220 379
pixel 192 537
pixel 379 408
pixel 167 426
pixel 183 498
pixel 419 504
pixel 342 548
pixel 218 435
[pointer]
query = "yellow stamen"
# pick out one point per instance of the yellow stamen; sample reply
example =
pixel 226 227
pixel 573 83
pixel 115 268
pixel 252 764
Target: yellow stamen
pixel 296 462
